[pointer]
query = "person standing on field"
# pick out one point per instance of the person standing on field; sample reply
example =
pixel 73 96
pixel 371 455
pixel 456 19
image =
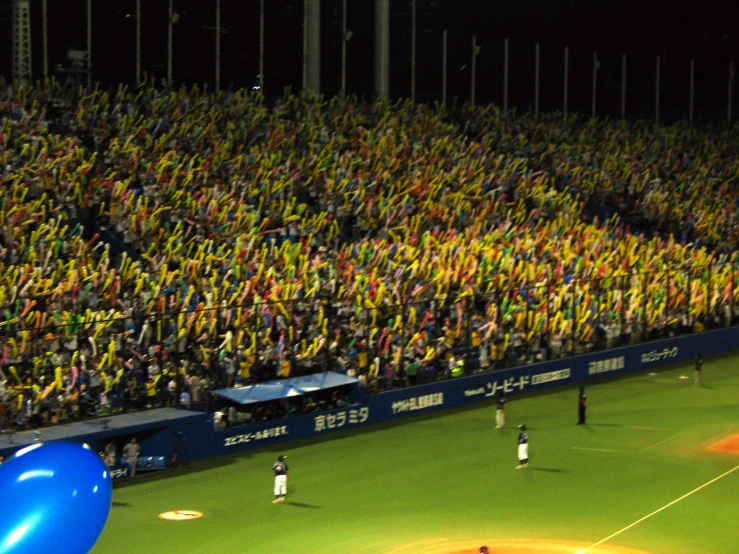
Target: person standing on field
pixel 698 373
pixel 582 405
pixel 523 448
pixel 500 412
pixel 279 468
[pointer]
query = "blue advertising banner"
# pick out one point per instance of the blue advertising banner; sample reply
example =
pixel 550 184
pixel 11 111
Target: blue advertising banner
pixel 253 435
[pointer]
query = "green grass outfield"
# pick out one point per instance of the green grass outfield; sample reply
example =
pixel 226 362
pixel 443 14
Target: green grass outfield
pixel 430 483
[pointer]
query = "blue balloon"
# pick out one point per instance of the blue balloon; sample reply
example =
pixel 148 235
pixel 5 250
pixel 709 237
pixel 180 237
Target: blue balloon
pixel 56 497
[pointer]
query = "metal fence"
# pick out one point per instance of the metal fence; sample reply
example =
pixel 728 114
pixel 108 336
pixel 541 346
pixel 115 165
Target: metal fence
pixel 264 46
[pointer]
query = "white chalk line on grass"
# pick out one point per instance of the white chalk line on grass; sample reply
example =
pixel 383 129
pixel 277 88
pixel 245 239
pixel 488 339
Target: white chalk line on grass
pixel 662 442
pixel 588 449
pixel 599 450
pixel 638 521
pixel 649 428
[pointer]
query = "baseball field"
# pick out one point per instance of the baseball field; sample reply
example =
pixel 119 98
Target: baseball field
pixel 655 470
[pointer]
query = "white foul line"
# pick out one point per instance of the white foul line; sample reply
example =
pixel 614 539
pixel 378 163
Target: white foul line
pixel 662 442
pixel 596 449
pixel 648 428
pixel 657 511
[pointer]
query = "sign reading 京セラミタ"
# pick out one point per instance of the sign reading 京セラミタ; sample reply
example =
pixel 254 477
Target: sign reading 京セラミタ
pixel 336 420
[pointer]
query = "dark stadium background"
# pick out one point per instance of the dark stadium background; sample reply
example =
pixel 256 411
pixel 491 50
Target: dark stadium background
pixel 676 30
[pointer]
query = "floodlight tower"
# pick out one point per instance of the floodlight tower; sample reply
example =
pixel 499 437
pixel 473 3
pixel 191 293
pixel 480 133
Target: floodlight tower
pixel 22 43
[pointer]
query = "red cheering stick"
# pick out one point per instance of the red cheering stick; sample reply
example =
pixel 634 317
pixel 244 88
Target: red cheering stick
pixel 95 237
pixel 426 319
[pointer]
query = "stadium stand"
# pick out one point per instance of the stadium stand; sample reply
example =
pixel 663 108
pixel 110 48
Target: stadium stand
pixel 156 241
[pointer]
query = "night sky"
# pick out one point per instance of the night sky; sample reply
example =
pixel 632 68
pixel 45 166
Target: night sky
pixel 676 30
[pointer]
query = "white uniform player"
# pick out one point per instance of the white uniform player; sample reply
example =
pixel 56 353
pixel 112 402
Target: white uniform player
pixel 131 452
pixel 500 412
pixel 279 468
pixel 523 448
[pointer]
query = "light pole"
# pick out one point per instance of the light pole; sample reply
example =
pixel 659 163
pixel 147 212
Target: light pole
pixel 261 48
pixel 691 104
pixel 218 45
pixel 443 66
pixel 343 49
pixel 172 20
pixel 89 45
pixel 731 95
pixel 623 86
pixel 44 22
pixel 656 92
pixel 413 51
pixel 138 41
pixel 475 50
pixel 505 76
pixel 595 83
pixel 536 80
pixel 566 81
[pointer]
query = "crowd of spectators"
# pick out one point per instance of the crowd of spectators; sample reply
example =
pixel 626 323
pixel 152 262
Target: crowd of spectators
pixel 157 241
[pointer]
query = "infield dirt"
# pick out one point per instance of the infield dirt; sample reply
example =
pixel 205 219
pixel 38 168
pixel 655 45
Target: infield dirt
pixel 729 444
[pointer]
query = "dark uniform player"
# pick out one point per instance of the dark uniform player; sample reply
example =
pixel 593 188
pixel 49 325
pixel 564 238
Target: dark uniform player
pixel 698 373
pixel 484 550
pixel 279 468
pixel 523 448
pixel 582 404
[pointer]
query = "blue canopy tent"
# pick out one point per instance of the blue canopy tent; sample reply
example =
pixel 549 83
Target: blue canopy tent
pixel 286 388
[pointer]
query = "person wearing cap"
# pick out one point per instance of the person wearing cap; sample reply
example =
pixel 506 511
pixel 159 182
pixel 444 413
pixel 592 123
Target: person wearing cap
pixel 280 469
pixel 131 453
pixel 698 373
pixel 582 406
pixel 500 412
pixel 523 448
pixel 484 550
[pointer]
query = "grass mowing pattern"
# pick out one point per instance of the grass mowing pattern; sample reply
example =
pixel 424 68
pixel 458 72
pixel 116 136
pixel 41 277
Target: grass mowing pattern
pixel 448 478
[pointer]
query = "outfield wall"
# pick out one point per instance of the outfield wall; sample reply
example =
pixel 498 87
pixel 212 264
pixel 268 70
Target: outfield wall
pixel 398 403
pixel 195 437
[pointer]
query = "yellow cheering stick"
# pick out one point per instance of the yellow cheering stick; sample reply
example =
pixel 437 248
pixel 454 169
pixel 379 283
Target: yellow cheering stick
pixel 111 350
pixel 199 325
